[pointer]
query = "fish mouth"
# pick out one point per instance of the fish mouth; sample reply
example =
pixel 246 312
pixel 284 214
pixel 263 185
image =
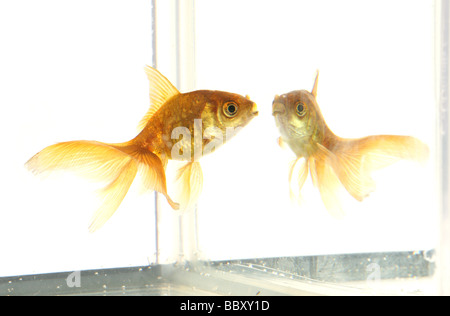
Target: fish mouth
pixel 278 108
pixel 254 110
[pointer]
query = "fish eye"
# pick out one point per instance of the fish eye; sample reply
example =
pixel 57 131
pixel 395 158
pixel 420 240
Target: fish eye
pixel 230 109
pixel 301 109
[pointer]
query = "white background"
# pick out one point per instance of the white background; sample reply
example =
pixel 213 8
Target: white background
pixel 70 70
pixel 74 70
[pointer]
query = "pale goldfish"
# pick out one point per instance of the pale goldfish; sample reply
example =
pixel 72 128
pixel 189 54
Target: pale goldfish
pixel 201 117
pixel 333 161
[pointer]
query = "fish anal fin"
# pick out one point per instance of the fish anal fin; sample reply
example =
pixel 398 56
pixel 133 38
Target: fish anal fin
pixel 161 90
pixel 190 184
pixel 152 171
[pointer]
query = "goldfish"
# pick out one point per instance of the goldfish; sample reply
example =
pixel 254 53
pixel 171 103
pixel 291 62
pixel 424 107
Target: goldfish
pixel 177 126
pixel 332 161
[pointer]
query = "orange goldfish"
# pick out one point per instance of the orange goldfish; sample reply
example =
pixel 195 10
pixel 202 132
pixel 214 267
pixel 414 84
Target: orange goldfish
pixel 334 161
pixel 200 117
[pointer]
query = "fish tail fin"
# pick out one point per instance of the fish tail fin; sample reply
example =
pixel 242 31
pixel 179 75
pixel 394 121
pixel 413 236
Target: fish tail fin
pixel 350 162
pixel 95 160
pixel 190 178
pixel 356 159
pixel 325 179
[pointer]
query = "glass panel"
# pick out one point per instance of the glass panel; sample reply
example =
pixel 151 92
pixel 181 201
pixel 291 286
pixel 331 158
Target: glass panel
pixel 84 80
pixel 375 78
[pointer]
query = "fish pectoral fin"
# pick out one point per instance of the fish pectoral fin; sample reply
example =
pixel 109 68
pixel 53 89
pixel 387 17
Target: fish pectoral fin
pixel 161 90
pixel 190 184
pixel 301 175
pixel 281 143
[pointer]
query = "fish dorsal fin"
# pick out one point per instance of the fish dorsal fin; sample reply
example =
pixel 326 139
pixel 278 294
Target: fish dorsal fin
pixel 161 90
pixel 316 82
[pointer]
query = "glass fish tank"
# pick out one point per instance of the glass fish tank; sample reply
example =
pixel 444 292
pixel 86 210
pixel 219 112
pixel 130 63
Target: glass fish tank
pixel 209 147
